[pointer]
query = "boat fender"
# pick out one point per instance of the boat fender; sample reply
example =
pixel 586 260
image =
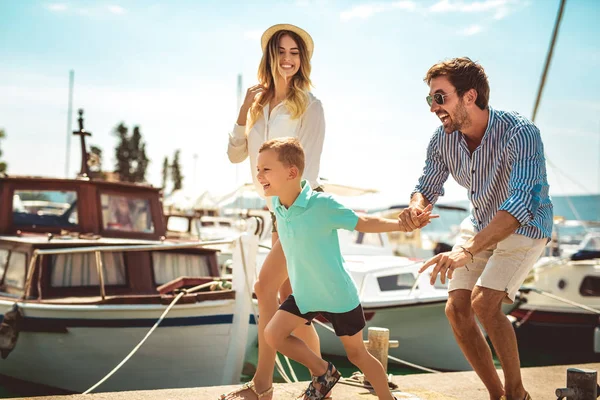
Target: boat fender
pixel 9 330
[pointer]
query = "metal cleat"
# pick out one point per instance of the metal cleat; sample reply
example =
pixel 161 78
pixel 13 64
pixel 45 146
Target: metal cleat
pixel 581 385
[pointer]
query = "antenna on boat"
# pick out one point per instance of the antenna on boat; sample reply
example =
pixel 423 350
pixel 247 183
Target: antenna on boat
pixel 84 173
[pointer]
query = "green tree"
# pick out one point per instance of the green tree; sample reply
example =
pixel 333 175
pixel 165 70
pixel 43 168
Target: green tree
pixel 130 153
pixel 165 172
pixel 95 162
pixel 3 165
pixel 176 175
pixel 122 152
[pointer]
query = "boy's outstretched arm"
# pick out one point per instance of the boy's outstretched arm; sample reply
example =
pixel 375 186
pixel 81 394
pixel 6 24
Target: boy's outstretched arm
pixel 375 224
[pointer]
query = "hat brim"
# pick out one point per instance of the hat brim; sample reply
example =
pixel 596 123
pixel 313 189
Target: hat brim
pixel 268 34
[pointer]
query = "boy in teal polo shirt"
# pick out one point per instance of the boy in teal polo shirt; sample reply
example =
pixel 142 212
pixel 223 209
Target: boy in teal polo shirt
pixel 307 223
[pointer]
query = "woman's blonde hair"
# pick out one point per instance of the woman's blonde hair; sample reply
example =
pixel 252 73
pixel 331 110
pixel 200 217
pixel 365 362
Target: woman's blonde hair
pixel 269 72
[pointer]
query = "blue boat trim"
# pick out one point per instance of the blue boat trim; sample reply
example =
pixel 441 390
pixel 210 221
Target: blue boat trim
pixel 61 325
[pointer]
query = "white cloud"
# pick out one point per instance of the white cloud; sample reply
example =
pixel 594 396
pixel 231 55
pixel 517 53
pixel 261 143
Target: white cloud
pixel 499 6
pixel 368 10
pixel 471 30
pixel 116 9
pixel 502 13
pixel 58 7
pixel 87 11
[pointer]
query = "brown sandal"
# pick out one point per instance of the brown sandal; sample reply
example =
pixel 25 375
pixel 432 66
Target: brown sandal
pixel 249 386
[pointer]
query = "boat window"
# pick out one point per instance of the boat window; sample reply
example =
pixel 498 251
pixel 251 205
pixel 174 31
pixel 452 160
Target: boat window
pixel 52 208
pixel 591 243
pixel 169 266
pixel 80 270
pixel 178 224
pixel 590 286
pixel 15 270
pixel 127 214
pixel 396 282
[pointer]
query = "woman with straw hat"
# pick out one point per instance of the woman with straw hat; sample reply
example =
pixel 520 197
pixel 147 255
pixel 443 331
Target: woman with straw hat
pixel 280 105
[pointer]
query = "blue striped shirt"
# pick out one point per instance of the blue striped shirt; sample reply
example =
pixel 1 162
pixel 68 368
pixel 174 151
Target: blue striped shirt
pixel 506 172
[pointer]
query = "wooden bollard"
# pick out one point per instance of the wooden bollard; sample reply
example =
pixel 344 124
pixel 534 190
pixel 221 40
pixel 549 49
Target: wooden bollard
pixel 379 343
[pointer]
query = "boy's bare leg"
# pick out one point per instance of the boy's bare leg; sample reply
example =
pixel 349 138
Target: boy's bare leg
pixel 471 340
pixel 359 355
pixel 306 333
pixel 278 334
pixel 272 277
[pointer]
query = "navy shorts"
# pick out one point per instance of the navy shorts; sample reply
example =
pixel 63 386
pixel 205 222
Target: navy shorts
pixel 344 324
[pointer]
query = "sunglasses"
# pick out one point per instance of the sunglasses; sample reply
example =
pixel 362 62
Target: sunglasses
pixel 437 97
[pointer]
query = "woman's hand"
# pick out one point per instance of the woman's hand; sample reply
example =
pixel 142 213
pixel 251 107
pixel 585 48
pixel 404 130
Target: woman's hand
pixel 251 95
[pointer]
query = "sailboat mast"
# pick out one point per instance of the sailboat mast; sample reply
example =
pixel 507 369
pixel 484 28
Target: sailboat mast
pixel 69 118
pixel 548 59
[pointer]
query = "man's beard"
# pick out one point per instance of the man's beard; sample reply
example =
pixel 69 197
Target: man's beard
pixel 460 118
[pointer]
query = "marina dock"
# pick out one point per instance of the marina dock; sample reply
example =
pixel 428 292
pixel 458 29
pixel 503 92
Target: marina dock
pixel 541 382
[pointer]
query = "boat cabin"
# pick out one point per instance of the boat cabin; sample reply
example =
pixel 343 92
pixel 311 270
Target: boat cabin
pixel 42 218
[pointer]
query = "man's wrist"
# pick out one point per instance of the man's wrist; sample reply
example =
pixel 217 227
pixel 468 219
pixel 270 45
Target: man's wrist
pixel 468 252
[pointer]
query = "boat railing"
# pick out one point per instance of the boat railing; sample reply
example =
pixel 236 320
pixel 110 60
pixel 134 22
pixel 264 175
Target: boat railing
pixel 98 250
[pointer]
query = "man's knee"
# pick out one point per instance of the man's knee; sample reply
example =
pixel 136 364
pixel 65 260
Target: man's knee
pixel 458 309
pixel 486 303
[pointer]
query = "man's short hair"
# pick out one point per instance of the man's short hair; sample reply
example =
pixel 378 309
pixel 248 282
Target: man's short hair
pixel 289 150
pixel 464 74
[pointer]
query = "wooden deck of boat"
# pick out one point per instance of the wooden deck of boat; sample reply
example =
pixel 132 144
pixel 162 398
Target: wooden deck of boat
pixel 541 382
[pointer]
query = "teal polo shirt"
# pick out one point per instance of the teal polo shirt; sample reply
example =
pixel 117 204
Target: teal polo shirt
pixel 308 236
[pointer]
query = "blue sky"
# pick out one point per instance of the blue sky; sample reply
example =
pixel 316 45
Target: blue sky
pixel 171 67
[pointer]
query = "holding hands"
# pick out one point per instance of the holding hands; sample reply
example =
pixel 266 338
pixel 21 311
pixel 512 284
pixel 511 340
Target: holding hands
pixel 415 217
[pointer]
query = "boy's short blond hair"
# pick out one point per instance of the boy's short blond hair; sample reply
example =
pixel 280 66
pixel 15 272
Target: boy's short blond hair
pixel 289 150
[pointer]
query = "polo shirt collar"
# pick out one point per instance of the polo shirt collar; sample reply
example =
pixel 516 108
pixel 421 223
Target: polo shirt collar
pixel 302 199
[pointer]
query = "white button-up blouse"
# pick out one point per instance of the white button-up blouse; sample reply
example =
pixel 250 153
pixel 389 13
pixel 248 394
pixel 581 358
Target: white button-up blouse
pixel 309 129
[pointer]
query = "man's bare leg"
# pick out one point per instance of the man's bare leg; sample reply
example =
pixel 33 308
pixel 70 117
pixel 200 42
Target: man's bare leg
pixel 487 304
pixel 471 340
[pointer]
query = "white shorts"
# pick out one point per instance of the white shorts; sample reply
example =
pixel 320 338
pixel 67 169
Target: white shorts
pixel 502 267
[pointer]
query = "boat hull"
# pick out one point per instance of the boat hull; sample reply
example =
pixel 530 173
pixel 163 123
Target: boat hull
pixel 73 347
pixel 555 338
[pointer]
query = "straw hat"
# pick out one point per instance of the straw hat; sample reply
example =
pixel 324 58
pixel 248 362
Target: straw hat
pixel 287 27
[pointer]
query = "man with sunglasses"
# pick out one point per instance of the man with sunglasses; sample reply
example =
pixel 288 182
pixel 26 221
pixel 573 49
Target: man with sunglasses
pixel 498 157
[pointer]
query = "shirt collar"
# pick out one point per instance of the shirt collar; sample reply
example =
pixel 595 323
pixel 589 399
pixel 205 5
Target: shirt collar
pixel 302 199
pixel 491 120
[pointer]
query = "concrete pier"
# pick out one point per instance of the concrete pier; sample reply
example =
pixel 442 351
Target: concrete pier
pixel 541 382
